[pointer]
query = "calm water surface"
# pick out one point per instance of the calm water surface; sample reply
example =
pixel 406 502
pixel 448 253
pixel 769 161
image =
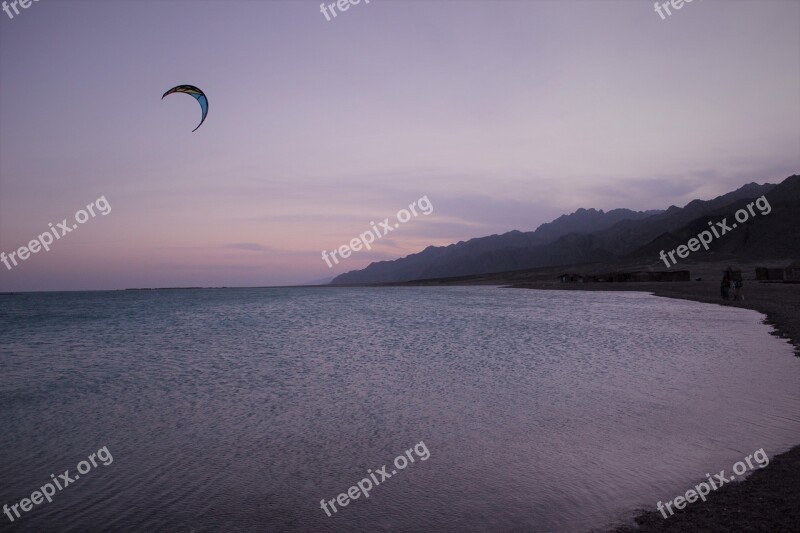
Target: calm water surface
pixel 240 409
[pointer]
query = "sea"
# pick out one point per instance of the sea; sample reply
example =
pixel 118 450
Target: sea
pixel 244 409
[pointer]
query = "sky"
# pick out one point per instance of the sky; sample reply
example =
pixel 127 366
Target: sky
pixel 504 114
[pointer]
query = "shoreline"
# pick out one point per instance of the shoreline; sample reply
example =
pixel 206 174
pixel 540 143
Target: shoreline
pixel 768 499
pixel 779 302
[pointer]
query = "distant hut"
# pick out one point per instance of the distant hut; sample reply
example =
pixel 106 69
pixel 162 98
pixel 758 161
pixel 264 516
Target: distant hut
pixel 621 276
pixel 675 275
pixel 769 274
pixel 792 272
pixel 647 275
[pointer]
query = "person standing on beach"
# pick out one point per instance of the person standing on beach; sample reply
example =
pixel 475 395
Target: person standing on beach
pixel 723 287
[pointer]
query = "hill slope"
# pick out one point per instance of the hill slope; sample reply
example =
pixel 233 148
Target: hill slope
pixel 589 236
pixel 487 254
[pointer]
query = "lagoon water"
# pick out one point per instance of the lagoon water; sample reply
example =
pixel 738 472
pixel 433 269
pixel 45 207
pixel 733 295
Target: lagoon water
pixel 240 409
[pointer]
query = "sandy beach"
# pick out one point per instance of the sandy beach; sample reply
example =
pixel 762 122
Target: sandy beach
pixel 768 500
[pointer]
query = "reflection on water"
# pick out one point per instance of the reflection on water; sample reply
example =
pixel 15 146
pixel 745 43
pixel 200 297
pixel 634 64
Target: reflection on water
pixel 239 410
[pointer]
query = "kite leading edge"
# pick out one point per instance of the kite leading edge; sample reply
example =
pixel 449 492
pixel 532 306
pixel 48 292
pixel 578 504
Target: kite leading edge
pixel 197 94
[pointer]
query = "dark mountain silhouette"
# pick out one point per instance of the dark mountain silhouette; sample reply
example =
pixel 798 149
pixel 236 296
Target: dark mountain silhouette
pixel 625 238
pixel 487 254
pixel 775 235
pixel 591 236
pixel 586 221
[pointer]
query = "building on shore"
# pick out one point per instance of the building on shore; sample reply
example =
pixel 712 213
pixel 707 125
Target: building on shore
pixel 792 272
pixel 770 274
pixel 623 277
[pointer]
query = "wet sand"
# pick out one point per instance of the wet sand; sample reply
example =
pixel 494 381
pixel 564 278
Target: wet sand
pixel 769 499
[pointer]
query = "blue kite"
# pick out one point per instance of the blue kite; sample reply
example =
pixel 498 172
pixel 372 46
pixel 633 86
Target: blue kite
pixel 198 95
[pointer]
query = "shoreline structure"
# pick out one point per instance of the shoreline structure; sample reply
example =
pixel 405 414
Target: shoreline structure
pixel 767 500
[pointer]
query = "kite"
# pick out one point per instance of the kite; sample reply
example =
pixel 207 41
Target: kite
pixel 198 95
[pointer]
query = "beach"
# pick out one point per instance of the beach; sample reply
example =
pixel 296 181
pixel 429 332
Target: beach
pixel 768 500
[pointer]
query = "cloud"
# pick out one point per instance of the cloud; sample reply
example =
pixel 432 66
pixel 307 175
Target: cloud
pixel 249 246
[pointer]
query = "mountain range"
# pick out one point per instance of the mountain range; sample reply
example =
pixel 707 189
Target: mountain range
pixel 593 236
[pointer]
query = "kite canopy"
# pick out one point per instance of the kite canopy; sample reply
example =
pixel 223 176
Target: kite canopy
pixel 196 93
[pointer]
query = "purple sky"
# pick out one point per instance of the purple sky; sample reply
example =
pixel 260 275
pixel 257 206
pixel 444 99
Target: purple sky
pixel 505 114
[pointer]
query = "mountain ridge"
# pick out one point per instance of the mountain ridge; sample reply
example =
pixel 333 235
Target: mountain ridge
pixel 589 235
